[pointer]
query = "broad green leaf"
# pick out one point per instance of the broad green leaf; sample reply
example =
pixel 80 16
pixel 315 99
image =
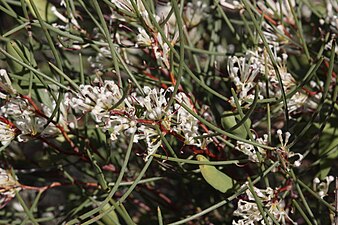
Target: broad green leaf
pixel 111 217
pixel 229 120
pixel 44 8
pixel 14 49
pixel 214 177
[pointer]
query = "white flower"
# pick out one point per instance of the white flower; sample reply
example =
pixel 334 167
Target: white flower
pixel 264 194
pixel 277 209
pixel 248 210
pixel 250 150
pixel 153 139
pixel 126 5
pixel 143 38
pixel 97 100
pixel 276 36
pixel 155 103
pixel 267 68
pixel 301 101
pixel 149 35
pixel 26 120
pixel 328 45
pixel 63 3
pixel 8 185
pixel 322 187
pixel 16 107
pixel 65 118
pixel 152 110
pixel 285 152
pixel 250 214
pixel 332 14
pixel 187 124
pixel 162 11
pixel 117 124
pixel 5 84
pixel 7 132
pixel 194 12
pixel 101 102
pixel 161 48
pixel 29 126
pixel 259 62
pixel 64 19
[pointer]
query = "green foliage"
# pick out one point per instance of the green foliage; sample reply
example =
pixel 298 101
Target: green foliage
pixel 191 112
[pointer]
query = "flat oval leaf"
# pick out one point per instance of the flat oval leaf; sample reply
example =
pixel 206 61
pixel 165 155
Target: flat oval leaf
pixel 229 120
pixel 218 180
pixel 111 217
pixel 44 8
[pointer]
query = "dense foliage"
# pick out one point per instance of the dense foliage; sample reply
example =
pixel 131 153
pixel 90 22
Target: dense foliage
pixel 168 112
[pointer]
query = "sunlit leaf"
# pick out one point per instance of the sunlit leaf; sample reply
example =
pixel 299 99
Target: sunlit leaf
pixel 214 177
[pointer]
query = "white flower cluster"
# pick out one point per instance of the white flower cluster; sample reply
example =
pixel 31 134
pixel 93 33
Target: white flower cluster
pixel 250 214
pixel 23 119
pixel 244 72
pixel 301 101
pixel 96 99
pixel 248 71
pixel 8 185
pixel 136 113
